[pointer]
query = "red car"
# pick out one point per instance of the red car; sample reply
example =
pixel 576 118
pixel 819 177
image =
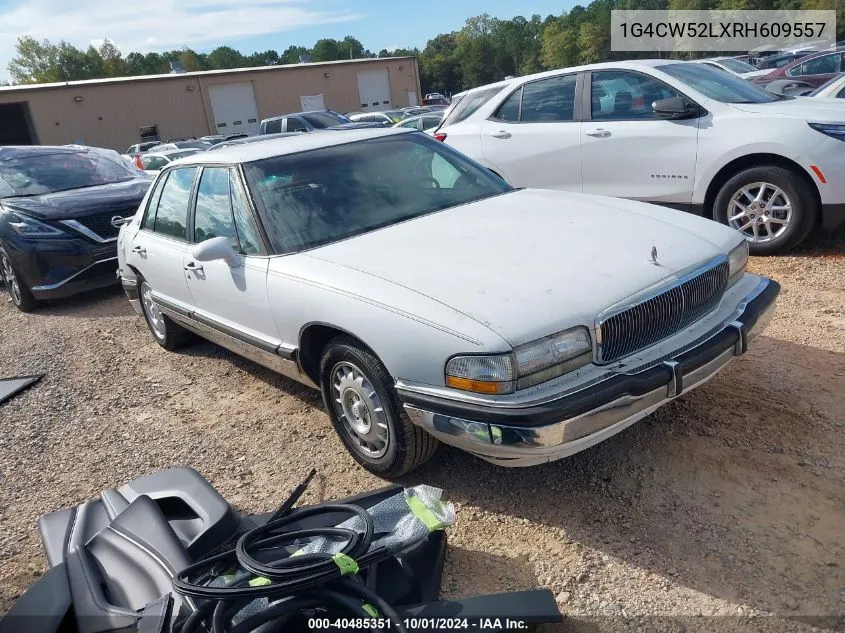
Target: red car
pixel 813 69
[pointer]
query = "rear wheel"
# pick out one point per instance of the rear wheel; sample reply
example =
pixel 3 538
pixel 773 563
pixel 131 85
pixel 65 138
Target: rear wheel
pixel 774 208
pixel 366 413
pixel 21 295
pixel 166 333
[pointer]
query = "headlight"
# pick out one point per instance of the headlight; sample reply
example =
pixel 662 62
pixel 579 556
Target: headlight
pixel 528 365
pixel 836 130
pixel 30 228
pixel 737 259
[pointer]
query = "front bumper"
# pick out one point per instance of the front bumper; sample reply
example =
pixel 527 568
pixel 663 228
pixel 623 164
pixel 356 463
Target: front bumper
pixel 530 435
pixel 54 269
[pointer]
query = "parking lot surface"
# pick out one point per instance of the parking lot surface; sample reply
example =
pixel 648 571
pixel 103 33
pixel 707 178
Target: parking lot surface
pixel 729 501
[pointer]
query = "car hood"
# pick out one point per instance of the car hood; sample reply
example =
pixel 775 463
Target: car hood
pixel 533 262
pixel 120 198
pixel 812 110
pixel 354 125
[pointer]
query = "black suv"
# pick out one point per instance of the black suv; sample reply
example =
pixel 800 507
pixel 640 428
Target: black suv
pixel 60 212
pixel 310 122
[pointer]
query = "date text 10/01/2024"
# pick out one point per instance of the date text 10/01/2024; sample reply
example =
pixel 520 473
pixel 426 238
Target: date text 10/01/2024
pixel 420 624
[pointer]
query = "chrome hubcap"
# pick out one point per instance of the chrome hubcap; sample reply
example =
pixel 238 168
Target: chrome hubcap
pixel 359 409
pixel 154 315
pixel 10 279
pixel 760 211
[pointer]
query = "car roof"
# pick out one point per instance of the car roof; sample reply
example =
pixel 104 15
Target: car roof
pixel 24 151
pixel 248 152
pixel 813 55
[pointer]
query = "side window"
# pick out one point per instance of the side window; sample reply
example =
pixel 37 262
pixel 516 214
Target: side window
pixel 824 65
pixel 247 231
pixel 296 125
pixel 172 216
pixel 619 95
pixel 150 216
pixel 549 100
pixel 509 110
pixel 213 216
pixel 841 94
pixel 273 127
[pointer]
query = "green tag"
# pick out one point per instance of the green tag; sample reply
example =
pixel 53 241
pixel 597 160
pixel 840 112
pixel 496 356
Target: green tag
pixel 346 564
pixel 424 514
pixel 259 581
pixel 370 609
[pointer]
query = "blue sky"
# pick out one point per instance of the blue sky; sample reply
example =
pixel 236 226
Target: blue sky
pixel 249 25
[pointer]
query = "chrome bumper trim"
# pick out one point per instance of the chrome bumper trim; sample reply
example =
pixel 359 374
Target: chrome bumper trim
pixel 516 446
pixel 61 283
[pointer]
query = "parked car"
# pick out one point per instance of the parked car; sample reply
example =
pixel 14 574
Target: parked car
pixel 386 118
pixel 190 144
pixel 153 162
pixel 733 66
pixel 414 110
pixel 833 89
pixel 674 133
pixel 140 148
pixel 788 87
pixel 813 69
pixel 778 60
pixel 309 122
pixel 60 210
pixel 252 139
pixel 431 96
pixel 436 101
pixel 429 300
pixel 422 123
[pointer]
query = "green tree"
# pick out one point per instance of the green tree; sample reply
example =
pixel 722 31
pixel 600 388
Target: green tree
pixel 560 45
pixel 113 62
pixel 35 61
pixel 224 57
pixel 292 53
pixel 592 43
pixel 327 50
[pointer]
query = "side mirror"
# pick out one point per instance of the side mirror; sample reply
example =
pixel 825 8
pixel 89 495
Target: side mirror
pixel 214 249
pixel 675 108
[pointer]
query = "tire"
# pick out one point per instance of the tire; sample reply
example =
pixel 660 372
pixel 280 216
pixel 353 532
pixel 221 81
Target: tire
pixel 21 295
pixel 165 331
pixel 369 418
pixel 782 217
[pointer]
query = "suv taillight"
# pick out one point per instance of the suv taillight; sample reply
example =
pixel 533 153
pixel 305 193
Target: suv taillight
pixel 440 136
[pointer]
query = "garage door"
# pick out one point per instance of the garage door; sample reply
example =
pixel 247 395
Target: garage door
pixel 374 90
pixel 234 108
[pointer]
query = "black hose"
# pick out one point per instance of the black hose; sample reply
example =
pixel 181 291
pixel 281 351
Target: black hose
pixel 308 581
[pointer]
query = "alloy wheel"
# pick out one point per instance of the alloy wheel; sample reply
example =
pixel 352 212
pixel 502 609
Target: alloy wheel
pixel 154 315
pixel 760 211
pixel 359 409
pixel 11 279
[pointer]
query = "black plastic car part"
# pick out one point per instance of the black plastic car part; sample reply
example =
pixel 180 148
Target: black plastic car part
pixel 12 386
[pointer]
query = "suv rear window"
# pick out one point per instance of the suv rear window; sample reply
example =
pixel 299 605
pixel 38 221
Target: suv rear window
pixel 465 106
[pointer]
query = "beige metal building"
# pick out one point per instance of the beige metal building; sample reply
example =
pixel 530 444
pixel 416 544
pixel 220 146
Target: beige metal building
pixel 116 113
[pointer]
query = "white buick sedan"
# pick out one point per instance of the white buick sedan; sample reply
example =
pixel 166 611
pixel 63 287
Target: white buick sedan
pixel 428 300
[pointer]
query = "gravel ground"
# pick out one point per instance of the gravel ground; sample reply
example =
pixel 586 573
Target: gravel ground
pixel 728 502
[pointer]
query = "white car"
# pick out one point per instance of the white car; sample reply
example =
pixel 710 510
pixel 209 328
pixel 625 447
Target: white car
pixel 833 89
pixel 735 67
pixel 675 133
pixel 427 299
pixel 154 162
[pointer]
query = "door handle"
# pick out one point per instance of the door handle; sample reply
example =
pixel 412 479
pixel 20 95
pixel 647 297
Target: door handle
pixel 193 267
pixel 140 250
pixel 501 134
pixel 598 133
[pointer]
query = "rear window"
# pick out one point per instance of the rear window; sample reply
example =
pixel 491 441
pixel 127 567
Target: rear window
pixel 466 105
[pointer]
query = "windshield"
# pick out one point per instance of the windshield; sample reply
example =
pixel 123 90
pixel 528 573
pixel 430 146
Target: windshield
pixel 318 197
pixel 717 84
pixel 826 85
pixel 322 120
pixel 736 65
pixel 48 173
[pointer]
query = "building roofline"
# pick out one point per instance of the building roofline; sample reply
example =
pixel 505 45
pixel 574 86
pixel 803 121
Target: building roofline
pixel 198 73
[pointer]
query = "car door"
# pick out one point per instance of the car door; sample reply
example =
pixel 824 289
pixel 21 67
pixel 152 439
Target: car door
pixel 534 138
pixel 230 299
pixel 629 151
pixel 159 247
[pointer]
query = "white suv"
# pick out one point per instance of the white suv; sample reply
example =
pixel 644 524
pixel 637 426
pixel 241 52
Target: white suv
pixel 679 134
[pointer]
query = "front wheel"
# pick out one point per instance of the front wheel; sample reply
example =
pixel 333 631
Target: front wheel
pixel 20 294
pixel 774 208
pixel 363 407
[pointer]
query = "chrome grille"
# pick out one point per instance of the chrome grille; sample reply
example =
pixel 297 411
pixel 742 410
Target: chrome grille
pixel 660 316
pixel 101 223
